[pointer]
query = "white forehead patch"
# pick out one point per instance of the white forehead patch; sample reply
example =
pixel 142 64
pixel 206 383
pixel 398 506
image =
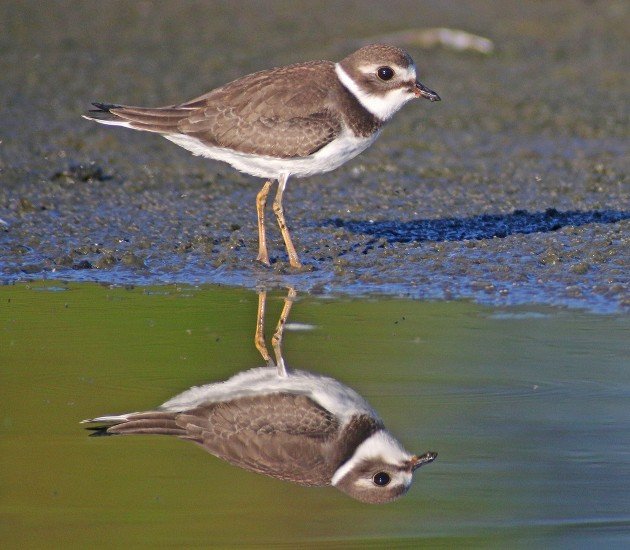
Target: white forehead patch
pixel 381 106
pixel 381 446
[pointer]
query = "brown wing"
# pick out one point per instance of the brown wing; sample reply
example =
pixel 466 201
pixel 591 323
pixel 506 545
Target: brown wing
pixel 284 436
pixel 269 136
pixel 284 112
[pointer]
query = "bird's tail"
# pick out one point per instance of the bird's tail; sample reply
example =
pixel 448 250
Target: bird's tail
pixel 161 120
pixel 152 422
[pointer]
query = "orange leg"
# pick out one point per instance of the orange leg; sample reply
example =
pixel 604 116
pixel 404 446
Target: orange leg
pixel 276 340
pixel 259 337
pixel 261 202
pixel 279 212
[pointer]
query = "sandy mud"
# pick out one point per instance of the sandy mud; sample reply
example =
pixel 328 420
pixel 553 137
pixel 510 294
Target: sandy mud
pixel 511 190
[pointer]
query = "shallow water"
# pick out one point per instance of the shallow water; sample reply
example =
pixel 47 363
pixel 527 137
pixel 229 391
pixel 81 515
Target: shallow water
pixel 527 407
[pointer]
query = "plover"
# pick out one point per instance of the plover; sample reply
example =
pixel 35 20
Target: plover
pixel 288 424
pixel 302 427
pixel 298 120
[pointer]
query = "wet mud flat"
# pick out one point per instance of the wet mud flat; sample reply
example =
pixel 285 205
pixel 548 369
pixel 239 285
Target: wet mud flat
pixel 511 190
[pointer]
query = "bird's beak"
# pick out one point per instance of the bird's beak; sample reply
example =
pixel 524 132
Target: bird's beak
pixel 416 461
pixel 420 90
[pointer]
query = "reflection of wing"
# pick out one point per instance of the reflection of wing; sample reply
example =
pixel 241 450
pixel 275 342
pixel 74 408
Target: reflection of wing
pixel 283 435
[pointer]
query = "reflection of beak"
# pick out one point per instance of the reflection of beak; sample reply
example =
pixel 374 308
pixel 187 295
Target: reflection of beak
pixel 416 461
pixel 422 91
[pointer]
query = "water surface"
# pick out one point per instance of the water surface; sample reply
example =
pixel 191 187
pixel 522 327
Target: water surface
pixel 527 407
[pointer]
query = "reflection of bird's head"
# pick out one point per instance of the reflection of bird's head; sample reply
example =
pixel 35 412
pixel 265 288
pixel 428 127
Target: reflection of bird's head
pixel 379 471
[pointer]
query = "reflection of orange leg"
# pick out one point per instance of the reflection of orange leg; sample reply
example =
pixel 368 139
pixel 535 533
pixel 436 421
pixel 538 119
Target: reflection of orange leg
pixel 259 338
pixel 276 340
pixel 279 212
pixel 261 202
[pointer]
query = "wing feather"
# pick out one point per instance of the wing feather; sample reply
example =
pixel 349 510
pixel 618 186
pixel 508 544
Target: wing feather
pixel 285 436
pixel 284 112
pixel 281 112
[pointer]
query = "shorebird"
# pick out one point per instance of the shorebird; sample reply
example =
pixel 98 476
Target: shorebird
pixel 299 120
pixel 289 424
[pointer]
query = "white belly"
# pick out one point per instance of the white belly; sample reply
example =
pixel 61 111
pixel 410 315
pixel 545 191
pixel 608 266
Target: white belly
pixel 331 394
pixel 327 158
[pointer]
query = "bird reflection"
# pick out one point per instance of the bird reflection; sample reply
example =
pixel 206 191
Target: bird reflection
pixel 288 424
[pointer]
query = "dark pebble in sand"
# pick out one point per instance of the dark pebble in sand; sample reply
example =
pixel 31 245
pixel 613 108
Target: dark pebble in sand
pixel 81 173
pixel 83 264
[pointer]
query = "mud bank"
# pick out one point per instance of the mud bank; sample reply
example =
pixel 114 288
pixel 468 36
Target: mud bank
pixel 512 190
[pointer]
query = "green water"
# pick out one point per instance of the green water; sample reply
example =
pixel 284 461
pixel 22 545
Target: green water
pixel 528 409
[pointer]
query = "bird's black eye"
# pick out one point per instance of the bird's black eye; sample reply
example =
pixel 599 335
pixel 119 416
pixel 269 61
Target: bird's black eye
pixel 385 73
pixel 381 479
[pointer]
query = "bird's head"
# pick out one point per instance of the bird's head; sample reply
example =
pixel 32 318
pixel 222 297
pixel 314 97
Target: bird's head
pixel 380 470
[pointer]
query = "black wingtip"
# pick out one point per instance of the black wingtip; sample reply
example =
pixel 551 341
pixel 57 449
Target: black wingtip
pixel 103 107
pixel 103 111
pixel 99 431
